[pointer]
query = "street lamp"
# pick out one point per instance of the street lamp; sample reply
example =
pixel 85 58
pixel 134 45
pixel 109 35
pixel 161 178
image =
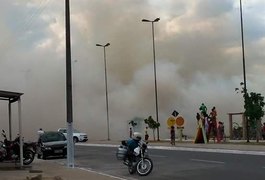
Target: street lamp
pixel 153 36
pixel 69 98
pixel 244 68
pixel 106 84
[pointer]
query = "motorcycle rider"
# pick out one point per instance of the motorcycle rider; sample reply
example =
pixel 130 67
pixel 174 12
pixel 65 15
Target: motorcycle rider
pixel 134 154
pixel 132 144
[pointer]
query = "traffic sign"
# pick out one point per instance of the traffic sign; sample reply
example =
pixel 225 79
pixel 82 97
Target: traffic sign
pixel 171 121
pixel 179 121
pixel 175 113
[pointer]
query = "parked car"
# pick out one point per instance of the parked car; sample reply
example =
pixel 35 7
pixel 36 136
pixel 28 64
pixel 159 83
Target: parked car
pixel 51 143
pixel 77 136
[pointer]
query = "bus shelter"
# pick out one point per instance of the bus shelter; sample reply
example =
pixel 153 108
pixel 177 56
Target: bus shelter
pixel 13 97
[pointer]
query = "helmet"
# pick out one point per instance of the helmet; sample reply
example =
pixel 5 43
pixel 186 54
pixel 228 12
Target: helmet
pixel 137 136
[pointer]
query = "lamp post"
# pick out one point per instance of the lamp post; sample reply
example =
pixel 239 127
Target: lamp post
pixel 69 99
pixel 153 37
pixel 244 68
pixel 106 85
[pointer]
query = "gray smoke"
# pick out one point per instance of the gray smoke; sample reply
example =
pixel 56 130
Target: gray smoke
pixel 198 59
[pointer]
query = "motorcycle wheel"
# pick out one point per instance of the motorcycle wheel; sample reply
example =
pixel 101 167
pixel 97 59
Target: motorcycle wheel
pixel 28 157
pixel 144 166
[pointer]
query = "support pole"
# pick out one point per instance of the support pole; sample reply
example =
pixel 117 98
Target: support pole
pixel 156 99
pixel 20 132
pixel 10 120
pixel 69 103
pixel 244 66
pixel 231 126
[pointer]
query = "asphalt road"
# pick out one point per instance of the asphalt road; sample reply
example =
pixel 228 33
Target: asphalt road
pixel 179 165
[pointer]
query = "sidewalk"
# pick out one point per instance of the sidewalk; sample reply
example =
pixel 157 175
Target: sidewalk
pixel 232 146
pixel 47 170
pixel 228 145
pixel 52 170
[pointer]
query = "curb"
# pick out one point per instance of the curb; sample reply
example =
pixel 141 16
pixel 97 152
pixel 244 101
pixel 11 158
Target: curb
pixel 194 149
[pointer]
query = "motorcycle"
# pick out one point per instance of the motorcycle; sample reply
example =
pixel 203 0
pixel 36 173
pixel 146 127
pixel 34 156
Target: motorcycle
pixel 10 150
pixel 139 162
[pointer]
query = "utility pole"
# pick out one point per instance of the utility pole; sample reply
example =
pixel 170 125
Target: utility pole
pixel 244 67
pixel 106 86
pixel 156 99
pixel 69 99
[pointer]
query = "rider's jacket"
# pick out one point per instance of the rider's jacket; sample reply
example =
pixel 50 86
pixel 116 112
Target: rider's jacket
pixel 132 144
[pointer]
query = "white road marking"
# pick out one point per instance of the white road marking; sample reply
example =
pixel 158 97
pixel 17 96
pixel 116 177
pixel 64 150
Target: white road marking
pixel 207 161
pixel 97 145
pixel 104 174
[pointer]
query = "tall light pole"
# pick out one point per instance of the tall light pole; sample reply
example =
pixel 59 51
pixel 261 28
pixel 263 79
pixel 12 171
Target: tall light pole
pixel 106 85
pixel 153 37
pixel 244 68
pixel 69 99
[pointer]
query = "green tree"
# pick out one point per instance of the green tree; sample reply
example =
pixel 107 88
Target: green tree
pixel 152 124
pixel 254 104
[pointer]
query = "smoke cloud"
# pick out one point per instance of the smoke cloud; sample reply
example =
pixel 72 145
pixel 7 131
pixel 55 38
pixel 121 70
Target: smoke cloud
pixel 198 59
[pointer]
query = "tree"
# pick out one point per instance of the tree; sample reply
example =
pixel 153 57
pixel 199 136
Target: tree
pixel 254 104
pixel 152 124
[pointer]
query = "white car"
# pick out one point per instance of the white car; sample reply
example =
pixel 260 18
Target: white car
pixel 77 136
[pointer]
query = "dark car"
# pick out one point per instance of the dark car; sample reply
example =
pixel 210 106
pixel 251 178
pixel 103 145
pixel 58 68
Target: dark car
pixel 51 143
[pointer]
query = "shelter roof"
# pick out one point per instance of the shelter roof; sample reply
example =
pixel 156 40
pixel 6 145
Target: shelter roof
pixel 10 96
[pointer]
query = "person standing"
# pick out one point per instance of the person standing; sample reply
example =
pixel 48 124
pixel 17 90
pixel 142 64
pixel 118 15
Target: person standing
pixel 172 135
pixel 220 131
pixel 146 136
pixel 40 131
pixel 213 127
pixel 130 132
pixel 213 113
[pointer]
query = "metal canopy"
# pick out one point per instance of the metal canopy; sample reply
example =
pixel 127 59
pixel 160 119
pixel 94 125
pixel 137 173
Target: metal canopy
pixel 12 97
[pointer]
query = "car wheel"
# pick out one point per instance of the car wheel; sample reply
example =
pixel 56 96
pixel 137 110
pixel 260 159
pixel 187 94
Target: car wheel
pixel 38 156
pixel 75 139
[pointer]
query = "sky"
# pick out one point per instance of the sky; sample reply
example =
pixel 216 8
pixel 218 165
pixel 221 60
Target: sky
pixel 198 60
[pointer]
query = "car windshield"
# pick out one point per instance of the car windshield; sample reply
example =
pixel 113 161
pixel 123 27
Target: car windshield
pixel 52 136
